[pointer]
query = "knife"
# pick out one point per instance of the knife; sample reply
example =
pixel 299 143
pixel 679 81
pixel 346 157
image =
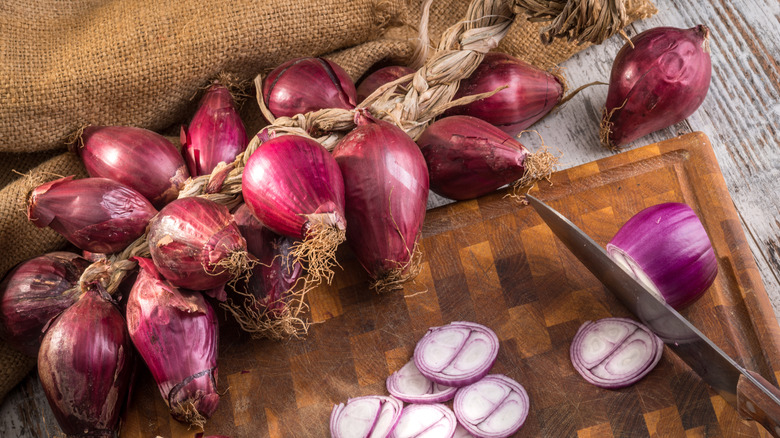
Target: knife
pixel 752 396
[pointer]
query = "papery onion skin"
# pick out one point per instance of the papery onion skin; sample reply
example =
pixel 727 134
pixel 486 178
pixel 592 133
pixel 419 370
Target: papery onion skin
pixel 479 426
pixel 383 76
pixel 468 157
pixel 302 85
pixel 386 183
pixel 389 406
pixel 670 245
pixel 33 293
pixel 658 82
pixel 531 93
pixel 215 134
pixel 189 240
pixel 86 365
pixel 95 214
pixel 138 158
pixel 177 335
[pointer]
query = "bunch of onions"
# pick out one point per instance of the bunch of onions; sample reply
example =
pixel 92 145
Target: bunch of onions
pixel 33 293
pixel 386 182
pixel 176 334
pixel 216 133
pixel 95 214
pixel 293 185
pixel 86 365
pixel 658 80
pixel 468 157
pixel 138 158
pixel 529 95
pixel 383 76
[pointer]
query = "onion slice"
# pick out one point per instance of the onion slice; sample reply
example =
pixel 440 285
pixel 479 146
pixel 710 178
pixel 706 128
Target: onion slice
pixel 494 407
pixel 614 352
pixel 426 420
pixel 456 354
pixel 372 416
pixel 407 384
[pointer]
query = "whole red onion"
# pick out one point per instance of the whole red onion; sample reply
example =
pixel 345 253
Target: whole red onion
pixel 86 365
pixel 196 244
pixel 307 84
pixel 33 293
pixel 386 183
pixel 176 334
pixel 384 75
pixel 658 82
pixel 530 94
pixel 95 214
pixel 216 133
pixel 138 158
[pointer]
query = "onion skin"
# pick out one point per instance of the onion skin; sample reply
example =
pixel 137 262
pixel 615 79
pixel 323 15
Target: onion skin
pixel 33 293
pixel 661 81
pixel 189 240
pixel 531 93
pixel 86 366
pixel 216 133
pixel 303 85
pixel 138 158
pixel 176 334
pixel 384 75
pixel 386 181
pixel 468 157
pixel 95 214
pixel 670 245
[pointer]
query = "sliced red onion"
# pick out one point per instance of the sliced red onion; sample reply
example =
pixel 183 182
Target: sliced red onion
pixel 407 384
pixel 383 76
pixel 138 158
pixel 425 420
pixel 494 407
pixel 95 214
pixel 460 432
pixel 216 133
pixel 614 352
pixel 373 416
pixel 666 248
pixel 456 354
pixel 176 334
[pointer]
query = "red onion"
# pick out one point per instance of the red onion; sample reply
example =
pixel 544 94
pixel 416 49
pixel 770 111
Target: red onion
pixel 196 244
pixel 456 354
pixel 384 75
pixel 295 188
pixel 216 133
pixel 468 157
pixel 666 248
pixel 176 334
pixel 657 82
pixel 460 432
pixel 386 184
pixel 138 158
pixel 95 214
pixel 494 407
pixel 33 293
pixel 407 384
pixel 428 420
pixel 530 94
pixel 307 84
pixel 371 416
pixel 86 365
pixel 614 352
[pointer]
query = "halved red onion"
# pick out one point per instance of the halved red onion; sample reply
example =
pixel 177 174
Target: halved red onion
pixel 384 75
pixel 33 293
pixel 215 134
pixel 614 352
pixel 425 420
pixel 407 384
pixel 666 248
pixel 494 407
pixel 138 158
pixel 372 416
pixel 95 214
pixel 456 354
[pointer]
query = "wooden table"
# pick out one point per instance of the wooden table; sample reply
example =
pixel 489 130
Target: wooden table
pixel 741 116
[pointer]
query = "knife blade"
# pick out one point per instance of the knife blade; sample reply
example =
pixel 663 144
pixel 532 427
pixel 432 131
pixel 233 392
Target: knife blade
pixel 752 395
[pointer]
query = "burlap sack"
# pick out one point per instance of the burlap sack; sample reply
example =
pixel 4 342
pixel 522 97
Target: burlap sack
pixel 144 62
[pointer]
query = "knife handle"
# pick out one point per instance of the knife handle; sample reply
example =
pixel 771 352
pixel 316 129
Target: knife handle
pixel 755 404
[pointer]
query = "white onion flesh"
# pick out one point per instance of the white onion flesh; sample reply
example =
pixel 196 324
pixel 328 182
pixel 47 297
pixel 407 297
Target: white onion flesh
pixel 425 421
pixel 494 407
pixel 365 417
pixel 407 384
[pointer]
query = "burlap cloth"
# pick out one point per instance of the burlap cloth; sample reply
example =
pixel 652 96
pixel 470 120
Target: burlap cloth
pixel 144 63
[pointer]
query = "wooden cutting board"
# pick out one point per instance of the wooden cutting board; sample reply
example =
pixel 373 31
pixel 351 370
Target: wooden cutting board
pixel 494 262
